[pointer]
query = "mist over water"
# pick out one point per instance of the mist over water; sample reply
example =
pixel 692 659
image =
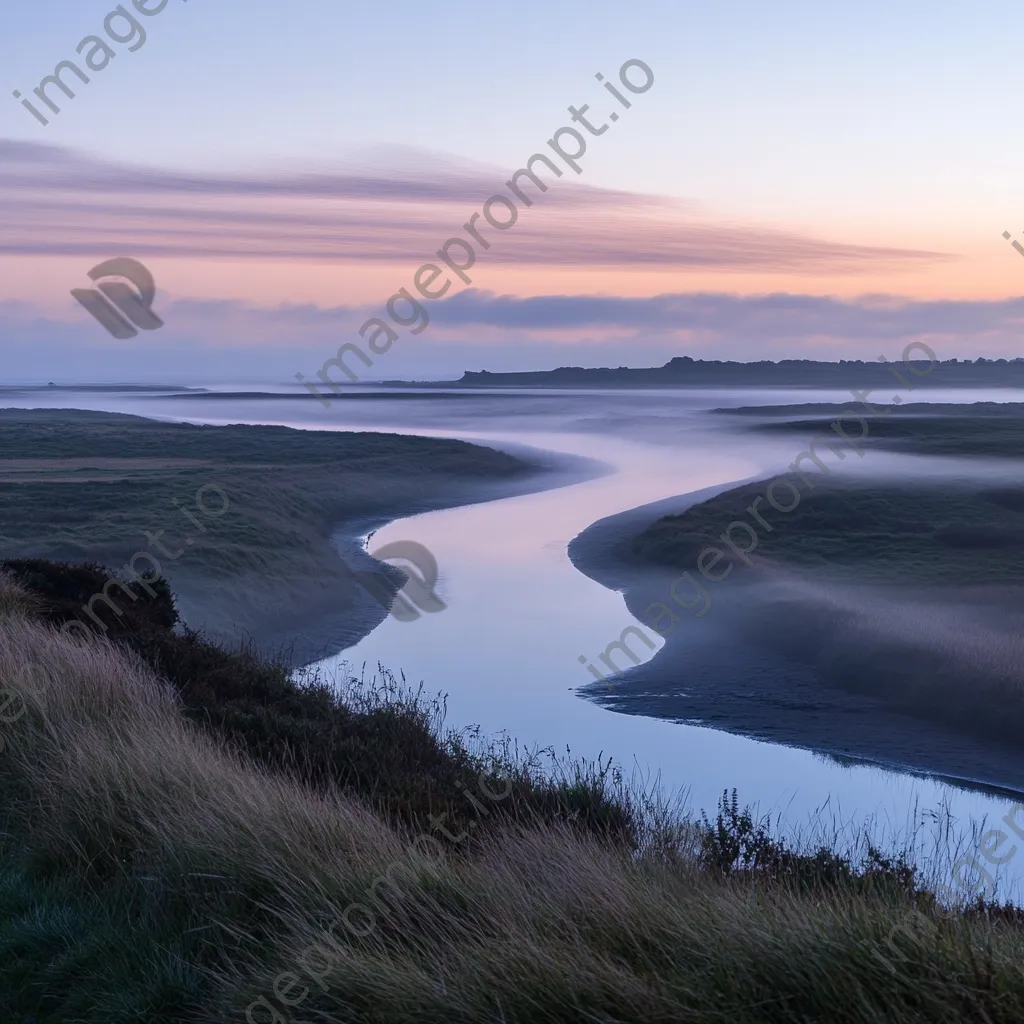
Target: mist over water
pixel 519 614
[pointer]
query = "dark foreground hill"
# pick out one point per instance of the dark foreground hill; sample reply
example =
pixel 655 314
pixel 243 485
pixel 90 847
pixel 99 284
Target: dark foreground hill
pixel 190 836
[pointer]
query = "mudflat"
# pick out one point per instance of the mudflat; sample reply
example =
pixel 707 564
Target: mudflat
pixel 879 618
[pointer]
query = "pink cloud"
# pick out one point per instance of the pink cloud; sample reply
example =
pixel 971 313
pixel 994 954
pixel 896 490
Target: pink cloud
pixel 58 202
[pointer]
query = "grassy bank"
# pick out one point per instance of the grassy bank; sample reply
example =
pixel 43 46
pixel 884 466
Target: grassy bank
pixel 85 486
pixel 908 592
pixel 185 836
pixel 923 532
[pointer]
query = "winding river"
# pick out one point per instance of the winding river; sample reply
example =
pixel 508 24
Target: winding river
pixel 519 615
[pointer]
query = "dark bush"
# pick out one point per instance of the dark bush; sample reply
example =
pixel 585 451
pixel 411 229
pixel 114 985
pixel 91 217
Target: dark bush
pixel 737 843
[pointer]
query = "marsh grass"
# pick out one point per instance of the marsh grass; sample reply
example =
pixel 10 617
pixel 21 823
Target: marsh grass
pixel 921 532
pixel 160 864
pixel 14 598
pixel 377 738
pixel 85 486
pixel 906 591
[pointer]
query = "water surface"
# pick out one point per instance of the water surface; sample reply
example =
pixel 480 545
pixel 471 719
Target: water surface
pixel 519 615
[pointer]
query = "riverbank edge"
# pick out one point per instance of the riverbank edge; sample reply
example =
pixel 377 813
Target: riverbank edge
pixel 303 636
pixel 602 553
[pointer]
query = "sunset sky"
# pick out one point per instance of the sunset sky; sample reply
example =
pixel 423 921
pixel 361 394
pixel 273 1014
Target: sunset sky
pixel 801 180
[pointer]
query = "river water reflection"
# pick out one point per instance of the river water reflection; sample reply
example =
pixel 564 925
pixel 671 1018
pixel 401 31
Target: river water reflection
pixel 519 614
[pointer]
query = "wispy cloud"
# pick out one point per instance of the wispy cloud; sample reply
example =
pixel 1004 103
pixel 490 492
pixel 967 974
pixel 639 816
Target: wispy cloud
pixel 480 330
pixel 716 315
pixel 55 201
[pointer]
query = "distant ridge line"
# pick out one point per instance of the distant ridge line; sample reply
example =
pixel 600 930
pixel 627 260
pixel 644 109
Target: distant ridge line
pixel 683 371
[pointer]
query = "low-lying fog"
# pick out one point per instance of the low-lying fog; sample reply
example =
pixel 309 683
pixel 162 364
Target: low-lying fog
pixel 767 661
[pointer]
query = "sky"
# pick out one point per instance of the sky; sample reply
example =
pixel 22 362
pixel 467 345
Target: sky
pixel 798 180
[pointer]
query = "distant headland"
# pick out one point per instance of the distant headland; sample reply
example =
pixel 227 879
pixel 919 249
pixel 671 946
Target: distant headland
pixel 683 371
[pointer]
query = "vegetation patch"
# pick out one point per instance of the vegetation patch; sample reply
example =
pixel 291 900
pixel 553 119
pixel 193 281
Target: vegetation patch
pixel 188 835
pixel 920 533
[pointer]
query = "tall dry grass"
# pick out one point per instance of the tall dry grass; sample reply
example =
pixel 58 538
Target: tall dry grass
pixel 103 770
pixel 207 889
pixel 14 598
